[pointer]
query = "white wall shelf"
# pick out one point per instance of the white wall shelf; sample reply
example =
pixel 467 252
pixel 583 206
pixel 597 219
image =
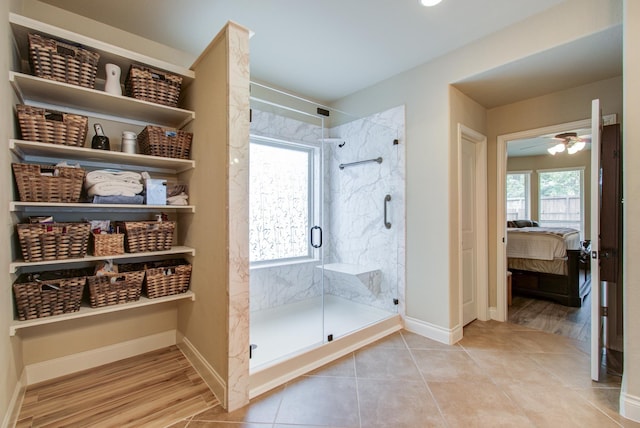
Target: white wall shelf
pixel 87 311
pixel 22 26
pixel 74 99
pixel 31 151
pixel 89 207
pixel 17 265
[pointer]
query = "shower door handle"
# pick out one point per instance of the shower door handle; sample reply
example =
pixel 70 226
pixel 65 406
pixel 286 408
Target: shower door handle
pixel 313 234
pixel 386 202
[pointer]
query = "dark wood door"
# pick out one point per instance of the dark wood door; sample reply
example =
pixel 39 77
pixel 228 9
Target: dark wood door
pixel 611 208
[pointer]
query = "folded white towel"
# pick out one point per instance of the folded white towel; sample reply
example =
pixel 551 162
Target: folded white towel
pixel 111 175
pixel 115 188
pixel 180 199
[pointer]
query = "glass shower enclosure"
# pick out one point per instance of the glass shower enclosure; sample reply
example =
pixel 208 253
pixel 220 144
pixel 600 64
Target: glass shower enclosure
pixel 326 214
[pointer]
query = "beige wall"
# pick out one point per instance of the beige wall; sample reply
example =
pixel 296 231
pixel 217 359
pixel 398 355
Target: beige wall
pixel 631 177
pixel 10 347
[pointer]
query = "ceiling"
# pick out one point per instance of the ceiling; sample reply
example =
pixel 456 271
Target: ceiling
pixel 328 49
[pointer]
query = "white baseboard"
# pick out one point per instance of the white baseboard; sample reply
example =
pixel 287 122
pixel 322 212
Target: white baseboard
pixel 62 366
pixel 215 382
pixel 630 406
pixel 13 411
pixel 434 332
pixel 493 313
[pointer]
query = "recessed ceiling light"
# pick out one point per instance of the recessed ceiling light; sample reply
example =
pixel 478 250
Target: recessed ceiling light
pixel 429 2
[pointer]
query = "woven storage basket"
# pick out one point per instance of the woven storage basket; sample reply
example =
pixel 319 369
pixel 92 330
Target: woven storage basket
pixel 62 62
pixel 143 236
pixel 50 126
pixel 167 278
pixel 152 85
pixel 60 184
pixel 169 143
pixel 52 294
pixel 53 241
pixel 113 289
pixel 107 244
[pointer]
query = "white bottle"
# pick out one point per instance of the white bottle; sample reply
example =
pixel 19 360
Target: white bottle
pixel 112 85
pixel 128 142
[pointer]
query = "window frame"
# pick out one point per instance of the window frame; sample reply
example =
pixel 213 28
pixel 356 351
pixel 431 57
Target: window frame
pixel 581 170
pixel 313 191
pixel 527 190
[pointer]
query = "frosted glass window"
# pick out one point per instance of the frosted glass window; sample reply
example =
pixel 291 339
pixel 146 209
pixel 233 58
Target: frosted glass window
pixel 279 195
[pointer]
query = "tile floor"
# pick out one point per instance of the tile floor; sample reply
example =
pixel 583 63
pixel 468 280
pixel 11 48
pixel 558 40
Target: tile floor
pixel 499 375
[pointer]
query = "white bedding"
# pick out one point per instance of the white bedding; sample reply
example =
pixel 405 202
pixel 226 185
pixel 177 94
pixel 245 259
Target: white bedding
pixel 541 243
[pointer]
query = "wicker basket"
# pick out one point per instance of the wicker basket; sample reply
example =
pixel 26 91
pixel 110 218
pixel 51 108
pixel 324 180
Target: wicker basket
pixel 143 236
pixel 62 62
pixel 113 289
pixel 53 241
pixel 50 126
pixel 59 184
pixel 167 278
pixel 107 244
pixel 53 293
pixel 152 85
pixel 169 143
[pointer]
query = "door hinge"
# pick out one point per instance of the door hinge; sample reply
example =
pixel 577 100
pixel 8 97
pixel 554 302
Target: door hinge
pixel 604 311
pixel 251 348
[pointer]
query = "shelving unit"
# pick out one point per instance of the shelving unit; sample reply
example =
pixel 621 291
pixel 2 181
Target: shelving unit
pixel 86 311
pixel 95 104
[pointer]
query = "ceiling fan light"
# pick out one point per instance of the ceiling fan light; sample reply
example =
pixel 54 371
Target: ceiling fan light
pixel 429 3
pixel 560 147
pixel 552 150
pixel 579 145
pixel 572 149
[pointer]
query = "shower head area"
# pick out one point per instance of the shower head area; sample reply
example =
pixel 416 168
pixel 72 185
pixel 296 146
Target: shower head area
pixel 325 188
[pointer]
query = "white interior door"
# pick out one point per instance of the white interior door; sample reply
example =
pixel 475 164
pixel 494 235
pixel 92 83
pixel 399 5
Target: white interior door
pixel 468 231
pixel 596 324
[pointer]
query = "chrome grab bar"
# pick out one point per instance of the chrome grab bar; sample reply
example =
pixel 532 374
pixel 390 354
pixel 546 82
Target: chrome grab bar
pixel 386 202
pixel 344 165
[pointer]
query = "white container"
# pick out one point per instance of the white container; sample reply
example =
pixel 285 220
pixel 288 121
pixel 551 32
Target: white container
pixel 128 142
pixel 112 84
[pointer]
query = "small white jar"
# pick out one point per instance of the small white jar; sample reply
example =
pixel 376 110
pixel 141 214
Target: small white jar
pixel 128 142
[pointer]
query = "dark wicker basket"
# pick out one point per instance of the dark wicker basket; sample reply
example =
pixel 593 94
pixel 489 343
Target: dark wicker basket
pixel 50 126
pixel 48 183
pixel 148 84
pixel 53 293
pixel 169 143
pixel 62 62
pixel 143 236
pixel 107 244
pixel 113 289
pixel 167 278
pixel 53 241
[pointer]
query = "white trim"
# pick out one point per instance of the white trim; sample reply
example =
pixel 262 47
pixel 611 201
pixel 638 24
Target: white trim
pixel 13 410
pixel 482 242
pixel 216 383
pixel 62 366
pixel 448 336
pixel 630 406
pixel 271 377
pixel 501 223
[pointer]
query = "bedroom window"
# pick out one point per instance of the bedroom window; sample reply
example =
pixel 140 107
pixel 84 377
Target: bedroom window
pixel 561 198
pixel 518 195
pixel 281 183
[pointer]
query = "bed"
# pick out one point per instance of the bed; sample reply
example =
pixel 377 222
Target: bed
pixel 545 262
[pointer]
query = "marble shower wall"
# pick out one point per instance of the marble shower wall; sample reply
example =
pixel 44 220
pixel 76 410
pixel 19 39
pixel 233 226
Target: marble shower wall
pixel 355 238
pixel 355 201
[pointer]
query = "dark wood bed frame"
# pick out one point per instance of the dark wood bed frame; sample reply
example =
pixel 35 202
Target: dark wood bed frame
pixel 568 290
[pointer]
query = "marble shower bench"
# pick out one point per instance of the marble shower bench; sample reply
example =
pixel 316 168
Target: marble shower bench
pixel 351 278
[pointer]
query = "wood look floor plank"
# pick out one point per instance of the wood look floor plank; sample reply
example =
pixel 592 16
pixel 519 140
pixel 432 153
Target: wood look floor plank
pixel 154 389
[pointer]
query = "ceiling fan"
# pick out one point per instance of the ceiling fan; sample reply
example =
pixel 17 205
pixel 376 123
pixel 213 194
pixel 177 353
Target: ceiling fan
pixel 569 141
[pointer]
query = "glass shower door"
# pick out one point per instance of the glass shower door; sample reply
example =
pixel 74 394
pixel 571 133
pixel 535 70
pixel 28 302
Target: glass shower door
pixel 285 233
